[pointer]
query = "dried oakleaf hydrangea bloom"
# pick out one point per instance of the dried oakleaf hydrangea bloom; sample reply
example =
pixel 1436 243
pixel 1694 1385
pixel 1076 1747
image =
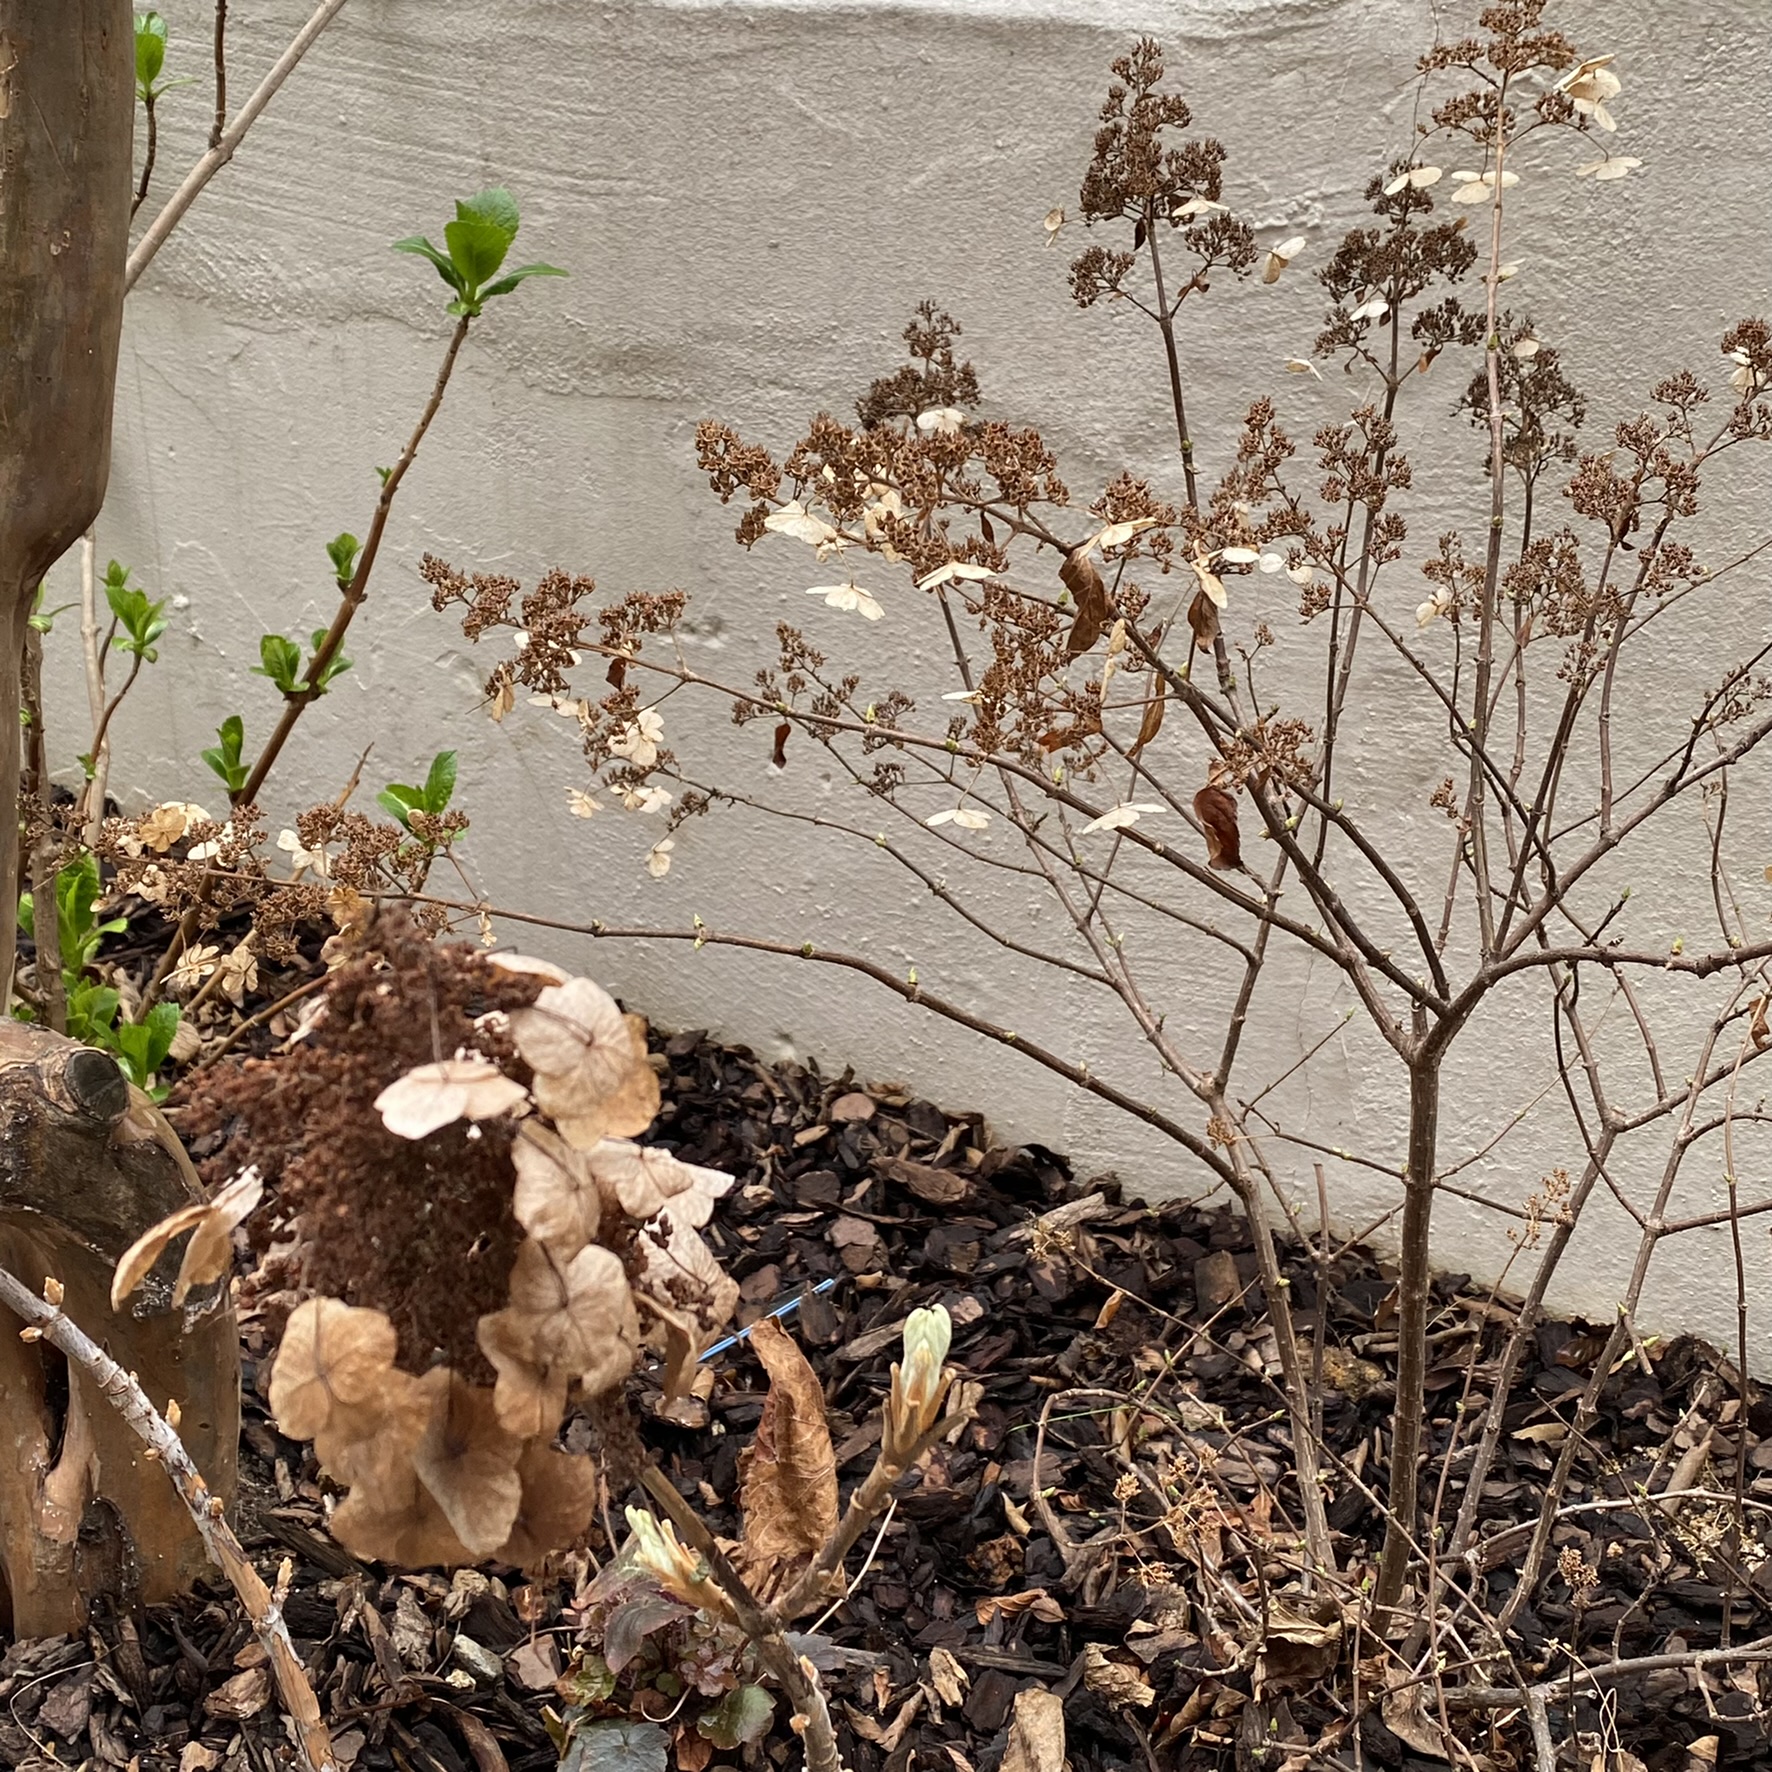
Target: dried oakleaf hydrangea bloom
pixel 481 1255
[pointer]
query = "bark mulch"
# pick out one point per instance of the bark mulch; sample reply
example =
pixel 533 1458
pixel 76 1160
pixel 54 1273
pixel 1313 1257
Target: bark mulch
pixel 1142 1573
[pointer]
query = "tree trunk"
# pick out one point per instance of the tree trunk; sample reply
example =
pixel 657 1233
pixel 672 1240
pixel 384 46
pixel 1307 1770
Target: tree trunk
pixel 1413 1293
pixel 67 116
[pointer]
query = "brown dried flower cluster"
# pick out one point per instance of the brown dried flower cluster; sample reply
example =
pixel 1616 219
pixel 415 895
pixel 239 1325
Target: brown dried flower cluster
pixel 476 1241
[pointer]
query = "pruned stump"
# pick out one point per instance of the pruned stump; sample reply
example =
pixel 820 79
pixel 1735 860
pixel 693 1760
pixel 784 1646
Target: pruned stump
pixel 87 1164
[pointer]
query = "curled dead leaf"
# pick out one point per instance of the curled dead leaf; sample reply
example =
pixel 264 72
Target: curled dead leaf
pixel 1152 723
pixel 788 1475
pixel 1216 809
pixel 1202 617
pixel 1080 578
pixel 210 1252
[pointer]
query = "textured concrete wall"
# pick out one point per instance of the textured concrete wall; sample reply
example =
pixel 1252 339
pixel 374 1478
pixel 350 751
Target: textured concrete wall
pixel 751 199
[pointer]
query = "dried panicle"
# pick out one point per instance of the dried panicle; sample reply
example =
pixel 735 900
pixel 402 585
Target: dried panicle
pixel 934 379
pixel 1140 174
pixel 1541 409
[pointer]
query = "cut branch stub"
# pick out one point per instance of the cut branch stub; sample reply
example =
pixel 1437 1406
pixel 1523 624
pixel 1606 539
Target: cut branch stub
pixel 86 1165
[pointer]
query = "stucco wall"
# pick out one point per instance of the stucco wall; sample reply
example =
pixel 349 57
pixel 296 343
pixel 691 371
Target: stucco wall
pixel 751 199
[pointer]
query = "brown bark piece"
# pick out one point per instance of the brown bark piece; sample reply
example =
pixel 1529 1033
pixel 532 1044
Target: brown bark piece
pixel 86 1165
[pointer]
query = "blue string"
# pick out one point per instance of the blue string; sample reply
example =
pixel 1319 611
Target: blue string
pixel 786 1308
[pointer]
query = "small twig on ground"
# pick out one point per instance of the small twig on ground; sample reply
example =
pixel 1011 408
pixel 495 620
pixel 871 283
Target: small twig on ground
pixel 45 1321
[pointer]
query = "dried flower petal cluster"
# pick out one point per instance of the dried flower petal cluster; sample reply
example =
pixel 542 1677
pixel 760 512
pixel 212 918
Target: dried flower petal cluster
pixel 433 1389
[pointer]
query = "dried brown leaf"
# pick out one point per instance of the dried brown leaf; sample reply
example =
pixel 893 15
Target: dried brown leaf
pixel 1202 617
pixel 468 1462
pixel 779 756
pixel 1404 1709
pixel 788 1475
pixel 1216 809
pixel 1080 578
pixel 1036 1733
pixel 1152 723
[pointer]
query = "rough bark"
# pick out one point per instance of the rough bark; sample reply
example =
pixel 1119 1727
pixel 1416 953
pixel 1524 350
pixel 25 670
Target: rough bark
pixel 86 1165
pixel 67 113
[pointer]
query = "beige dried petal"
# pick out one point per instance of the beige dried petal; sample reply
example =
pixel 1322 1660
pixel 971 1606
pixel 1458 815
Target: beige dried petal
pixel 468 1462
pixel 556 1199
pixel 333 1355
pixel 399 1522
pixel 642 1180
pixel 683 1267
pixel 580 1312
pixel 609 1091
pixel 571 1026
pixel 506 961
pixel 529 1400
pixel 559 1502
pixel 370 1443
pixel 436 1095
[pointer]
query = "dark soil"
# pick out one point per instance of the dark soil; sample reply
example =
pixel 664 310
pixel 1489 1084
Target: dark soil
pixel 1140 1332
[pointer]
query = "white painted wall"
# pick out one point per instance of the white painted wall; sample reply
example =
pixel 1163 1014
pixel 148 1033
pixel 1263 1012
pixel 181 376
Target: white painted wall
pixel 751 199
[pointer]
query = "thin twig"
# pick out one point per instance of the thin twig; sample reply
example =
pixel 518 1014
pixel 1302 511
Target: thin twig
pixel 223 150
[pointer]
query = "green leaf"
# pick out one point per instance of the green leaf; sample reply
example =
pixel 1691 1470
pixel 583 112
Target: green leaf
pixel 494 205
pixel 401 800
pixel 507 283
pixel 224 758
pixel 336 668
pixel 139 618
pixel 477 249
pixel 425 249
pixel 742 1716
pixel 150 50
pixel 617 1747
pixel 281 662
pixel 342 551
pixel 588 1681
pixel 440 783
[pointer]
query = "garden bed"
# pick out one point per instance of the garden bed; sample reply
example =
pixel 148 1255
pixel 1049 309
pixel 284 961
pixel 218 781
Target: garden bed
pixel 1148 1578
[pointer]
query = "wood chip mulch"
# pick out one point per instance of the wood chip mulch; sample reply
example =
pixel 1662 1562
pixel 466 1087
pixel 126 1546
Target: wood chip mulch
pixel 1166 1470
